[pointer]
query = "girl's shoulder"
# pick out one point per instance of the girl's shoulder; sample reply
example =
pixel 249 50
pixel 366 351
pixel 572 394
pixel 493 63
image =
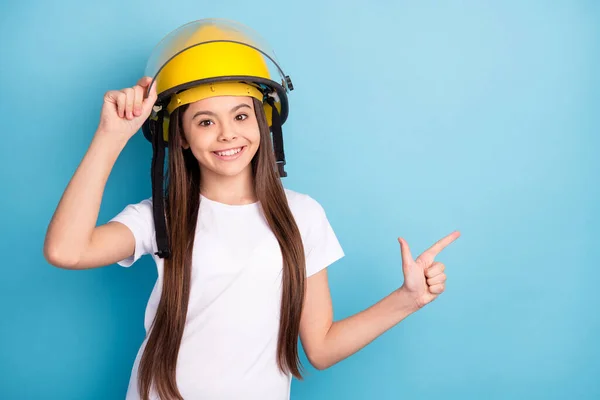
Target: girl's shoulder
pixel 304 207
pixel 321 245
pixel 301 201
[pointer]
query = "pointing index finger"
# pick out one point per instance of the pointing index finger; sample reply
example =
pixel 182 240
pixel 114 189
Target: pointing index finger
pixel 442 244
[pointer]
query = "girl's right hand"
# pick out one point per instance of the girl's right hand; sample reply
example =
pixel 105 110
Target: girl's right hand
pixel 124 111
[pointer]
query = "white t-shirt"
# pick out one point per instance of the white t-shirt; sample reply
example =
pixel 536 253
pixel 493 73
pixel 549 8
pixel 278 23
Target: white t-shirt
pixel 229 344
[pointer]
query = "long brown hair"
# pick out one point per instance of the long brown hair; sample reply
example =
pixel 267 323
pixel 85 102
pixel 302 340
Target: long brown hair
pixel 159 360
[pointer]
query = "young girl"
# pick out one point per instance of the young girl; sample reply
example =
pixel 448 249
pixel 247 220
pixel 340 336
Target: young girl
pixel 241 261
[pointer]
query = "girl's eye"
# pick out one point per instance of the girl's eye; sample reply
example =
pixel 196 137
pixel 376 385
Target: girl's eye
pixel 241 115
pixel 205 122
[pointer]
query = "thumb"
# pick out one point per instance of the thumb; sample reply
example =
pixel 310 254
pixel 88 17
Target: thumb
pixel 405 252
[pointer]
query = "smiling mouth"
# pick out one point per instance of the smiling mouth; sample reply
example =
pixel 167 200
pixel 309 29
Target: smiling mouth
pixel 230 154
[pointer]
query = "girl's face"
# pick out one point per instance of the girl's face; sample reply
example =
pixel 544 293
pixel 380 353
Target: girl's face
pixel 222 133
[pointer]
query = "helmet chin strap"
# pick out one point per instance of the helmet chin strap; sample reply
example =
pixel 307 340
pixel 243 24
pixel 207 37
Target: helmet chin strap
pixel 158 195
pixel 277 138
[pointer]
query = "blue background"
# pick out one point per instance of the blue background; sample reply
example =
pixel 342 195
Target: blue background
pixel 408 119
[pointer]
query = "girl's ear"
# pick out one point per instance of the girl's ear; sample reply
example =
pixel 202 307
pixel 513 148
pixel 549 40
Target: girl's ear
pixel 184 144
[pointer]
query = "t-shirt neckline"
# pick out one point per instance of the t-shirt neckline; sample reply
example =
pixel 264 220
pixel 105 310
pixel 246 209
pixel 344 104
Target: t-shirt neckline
pixel 228 206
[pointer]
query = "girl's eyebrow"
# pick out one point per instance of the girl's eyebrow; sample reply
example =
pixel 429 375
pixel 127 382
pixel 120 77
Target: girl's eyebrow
pixel 234 109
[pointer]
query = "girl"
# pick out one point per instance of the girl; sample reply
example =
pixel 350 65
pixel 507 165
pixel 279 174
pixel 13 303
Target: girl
pixel 241 261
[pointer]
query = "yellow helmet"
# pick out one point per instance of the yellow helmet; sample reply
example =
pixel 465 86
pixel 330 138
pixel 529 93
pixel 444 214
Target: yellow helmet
pixel 206 53
pixel 208 58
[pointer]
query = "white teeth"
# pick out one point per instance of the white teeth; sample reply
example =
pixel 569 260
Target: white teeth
pixel 229 152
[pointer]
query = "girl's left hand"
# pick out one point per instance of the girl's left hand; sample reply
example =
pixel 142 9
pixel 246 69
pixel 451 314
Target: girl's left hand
pixel 424 279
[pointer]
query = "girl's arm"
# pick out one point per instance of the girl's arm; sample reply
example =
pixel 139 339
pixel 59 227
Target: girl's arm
pixel 72 240
pixel 326 342
pixel 72 228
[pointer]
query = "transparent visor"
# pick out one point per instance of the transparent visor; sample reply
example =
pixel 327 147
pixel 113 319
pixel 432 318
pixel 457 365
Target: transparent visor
pixel 213 30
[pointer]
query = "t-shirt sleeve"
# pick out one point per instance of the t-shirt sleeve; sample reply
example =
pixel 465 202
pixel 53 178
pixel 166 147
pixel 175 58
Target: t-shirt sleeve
pixel 139 219
pixel 321 245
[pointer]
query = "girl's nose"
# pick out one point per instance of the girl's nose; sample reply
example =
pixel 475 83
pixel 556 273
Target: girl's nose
pixel 226 134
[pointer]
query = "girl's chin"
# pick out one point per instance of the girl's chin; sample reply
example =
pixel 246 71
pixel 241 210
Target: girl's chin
pixel 229 170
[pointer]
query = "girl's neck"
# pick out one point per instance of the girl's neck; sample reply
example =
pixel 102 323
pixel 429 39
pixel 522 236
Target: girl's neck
pixel 233 190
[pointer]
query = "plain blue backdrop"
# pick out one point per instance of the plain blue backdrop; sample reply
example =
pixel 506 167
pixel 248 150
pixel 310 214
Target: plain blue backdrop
pixel 408 119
